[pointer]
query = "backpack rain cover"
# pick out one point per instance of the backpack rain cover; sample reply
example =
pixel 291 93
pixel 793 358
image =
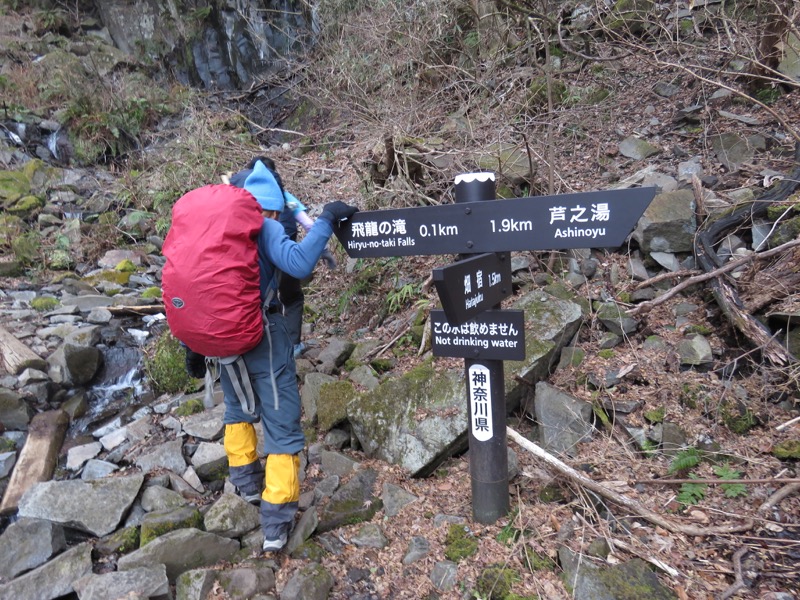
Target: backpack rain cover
pixel 210 282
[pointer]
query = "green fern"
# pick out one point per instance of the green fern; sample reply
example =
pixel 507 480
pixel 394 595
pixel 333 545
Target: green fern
pixel 685 459
pixel 731 490
pixel 692 493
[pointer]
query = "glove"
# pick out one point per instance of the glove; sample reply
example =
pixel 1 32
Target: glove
pixel 195 364
pixel 336 211
pixel 328 258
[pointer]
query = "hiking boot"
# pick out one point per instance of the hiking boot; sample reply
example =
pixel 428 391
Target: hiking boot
pixel 275 545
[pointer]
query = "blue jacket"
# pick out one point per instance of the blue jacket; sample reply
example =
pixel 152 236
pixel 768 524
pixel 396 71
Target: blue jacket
pixel 276 250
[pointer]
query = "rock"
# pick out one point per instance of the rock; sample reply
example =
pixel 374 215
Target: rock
pixel 303 530
pixel 335 463
pixel 695 351
pixel 637 149
pixel 309 582
pixel 78 455
pixel 395 498
pixel 96 507
pixel 167 456
pixel 156 524
pixel 210 462
pixel 370 535
pixel 309 396
pixel 149 582
pixel 668 224
pixel 246 582
pixel 181 551
pixel 27 544
pixel 444 575
pixel 352 503
pixel 231 516
pixel 613 317
pixel 206 425
pixel 14 411
pixel 334 355
pixel 157 498
pixel 418 548
pixel 563 421
pixel 334 398
pixel 732 150
pixel 53 579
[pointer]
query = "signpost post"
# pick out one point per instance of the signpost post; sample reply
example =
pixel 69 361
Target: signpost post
pixel 471 325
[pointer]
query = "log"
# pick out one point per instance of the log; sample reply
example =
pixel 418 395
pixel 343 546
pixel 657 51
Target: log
pixel 39 457
pixel 15 356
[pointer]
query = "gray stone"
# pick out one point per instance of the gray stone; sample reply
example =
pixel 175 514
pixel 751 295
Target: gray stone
pixel 181 551
pixel 54 578
pixel 395 498
pixel 732 150
pixel 695 351
pixel 97 469
pixel 96 507
pixel 668 224
pixel 231 516
pixel 615 319
pixel 149 582
pixel 673 438
pixel 336 439
pixel 303 530
pixel 667 260
pixel 309 582
pixel 210 461
pixel 353 502
pixel 247 582
pixel 27 544
pixel 14 411
pixel 666 89
pixel 158 498
pixel 78 455
pixel 364 376
pixel 418 548
pixel 335 463
pixel 7 462
pixel 99 316
pixel 637 149
pixel 590 581
pixel 168 455
pixel 206 425
pixel 336 352
pixel 158 523
pixel 563 420
pixel 370 535
pixel 309 397
pixel 444 575
pixel 112 440
pixel 326 488
pixel 195 584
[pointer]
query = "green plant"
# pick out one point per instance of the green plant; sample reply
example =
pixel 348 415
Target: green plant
pixel 731 490
pixel 165 365
pixel 649 448
pixel 655 415
pixel 606 353
pixel 396 299
pixel 44 303
pixel 685 459
pixel 691 493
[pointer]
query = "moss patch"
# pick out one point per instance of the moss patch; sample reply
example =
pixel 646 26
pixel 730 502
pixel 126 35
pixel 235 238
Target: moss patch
pixel 495 582
pixel 192 406
pixel 787 449
pixel 460 543
pixel 44 303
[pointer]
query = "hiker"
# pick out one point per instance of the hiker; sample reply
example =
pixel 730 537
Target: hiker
pixel 261 383
pixel 290 289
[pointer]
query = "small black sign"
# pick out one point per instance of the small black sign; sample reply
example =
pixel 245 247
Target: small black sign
pixel 473 285
pixel 584 220
pixel 492 335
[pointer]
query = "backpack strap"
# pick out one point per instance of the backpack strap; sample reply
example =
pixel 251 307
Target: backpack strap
pixel 240 379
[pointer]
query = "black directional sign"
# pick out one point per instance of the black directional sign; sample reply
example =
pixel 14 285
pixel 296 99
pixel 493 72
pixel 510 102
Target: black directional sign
pixel 471 286
pixel 584 220
pixel 492 335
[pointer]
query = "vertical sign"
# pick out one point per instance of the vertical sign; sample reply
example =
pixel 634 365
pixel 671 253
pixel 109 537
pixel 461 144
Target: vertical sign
pixel 480 400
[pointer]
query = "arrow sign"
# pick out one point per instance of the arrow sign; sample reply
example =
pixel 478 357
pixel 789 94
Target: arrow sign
pixel 585 220
pixel 471 286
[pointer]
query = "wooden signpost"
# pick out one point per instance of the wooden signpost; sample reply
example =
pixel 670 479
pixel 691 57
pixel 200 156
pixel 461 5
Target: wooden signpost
pixel 471 324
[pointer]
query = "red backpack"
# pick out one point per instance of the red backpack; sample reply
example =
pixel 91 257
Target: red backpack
pixel 210 282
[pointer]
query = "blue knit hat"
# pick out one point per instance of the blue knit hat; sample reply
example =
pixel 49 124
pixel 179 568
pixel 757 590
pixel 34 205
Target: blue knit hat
pixel 262 184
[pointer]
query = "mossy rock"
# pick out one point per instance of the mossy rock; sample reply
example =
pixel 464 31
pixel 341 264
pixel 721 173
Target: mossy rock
pixel 13 186
pixel 192 406
pixel 156 524
pixel 125 266
pixel 537 92
pixel 459 543
pixel 44 303
pixel 121 541
pixel 737 417
pixel 655 415
pixel 26 206
pixel 787 449
pixel 26 248
pixel 495 582
pixel 152 293
pixel 332 404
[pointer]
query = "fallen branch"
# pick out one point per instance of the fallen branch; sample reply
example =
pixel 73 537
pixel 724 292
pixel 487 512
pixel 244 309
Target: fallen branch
pixel 622 500
pixel 718 481
pixel 775 498
pixel 729 266
pixel 787 424
pixel 738 582
pixel 150 309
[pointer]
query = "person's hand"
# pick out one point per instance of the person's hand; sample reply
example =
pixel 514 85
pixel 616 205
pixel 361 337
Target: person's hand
pixel 195 364
pixel 337 211
pixel 328 258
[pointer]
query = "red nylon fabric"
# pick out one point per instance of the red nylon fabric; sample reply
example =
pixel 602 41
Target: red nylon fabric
pixel 210 282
